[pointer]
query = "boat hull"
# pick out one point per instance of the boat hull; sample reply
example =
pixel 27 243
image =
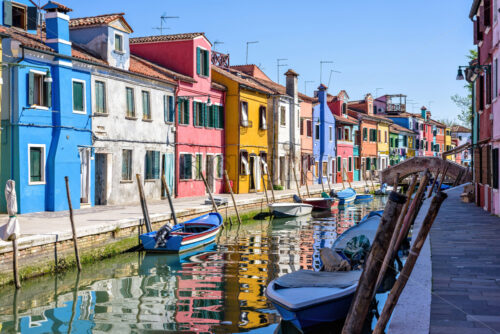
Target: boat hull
pixel 346 196
pixel 321 203
pixel 182 242
pixel 283 210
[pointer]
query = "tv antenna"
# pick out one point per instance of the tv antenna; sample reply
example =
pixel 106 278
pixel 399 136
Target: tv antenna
pixel 163 20
pixel 217 42
pixel 330 79
pixel 280 65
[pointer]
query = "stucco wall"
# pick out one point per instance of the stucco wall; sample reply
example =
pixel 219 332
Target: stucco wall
pixel 116 132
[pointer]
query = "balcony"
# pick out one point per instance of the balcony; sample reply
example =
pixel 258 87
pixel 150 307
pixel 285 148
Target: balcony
pixel 220 59
pixel 396 108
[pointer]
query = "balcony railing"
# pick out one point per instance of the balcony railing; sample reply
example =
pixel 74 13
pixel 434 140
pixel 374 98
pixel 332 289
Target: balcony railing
pixel 220 59
pixel 396 107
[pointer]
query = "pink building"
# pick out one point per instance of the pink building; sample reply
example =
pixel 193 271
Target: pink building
pixel 200 109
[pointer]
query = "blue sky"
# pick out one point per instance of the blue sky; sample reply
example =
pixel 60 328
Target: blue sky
pixel 408 47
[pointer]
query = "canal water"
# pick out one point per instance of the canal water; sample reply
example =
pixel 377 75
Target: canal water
pixel 219 288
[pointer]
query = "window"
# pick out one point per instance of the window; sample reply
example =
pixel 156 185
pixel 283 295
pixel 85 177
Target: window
pixel 339 164
pixel 152 165
pixel 146 105
pixel 356 137
pixel 220 117
pixel 373 135
pixel 211 116
pixel 325 168
pixel 168 108
pixel 426 146
pixel 309 128
pixel 357 163
pixel 283 116
pixel 19 17
pixel 39 91
pixel 219 166
pixel 346 134
pixel 405 141
pixel 100 97
pixel 199 111
pixel 344 108
pixel 118 42
pixel 365 134
pixel 127 165
pixel 183 109
pixel 495 76
pixel 244 167
pixel 330 129
pixel 301 127
pixel 316 168
pixel 185 166
pixel 263 160
pixel 130 102
pixel 202 62
pixel 385 137
pixel 198 166
pixel 79 96
pixel 379 136
pixel 262 118
pixel 350 164
pixel 36 164
pixel 316 129
pixel 339 134
pixel 244 114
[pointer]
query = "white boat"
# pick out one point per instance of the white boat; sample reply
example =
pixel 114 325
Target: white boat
pixel 306 298
pixel 290 209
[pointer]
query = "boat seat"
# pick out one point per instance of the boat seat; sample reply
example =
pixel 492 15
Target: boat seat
pixel 309 278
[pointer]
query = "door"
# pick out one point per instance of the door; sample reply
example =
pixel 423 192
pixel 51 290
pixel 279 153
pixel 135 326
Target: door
pixel 252 173
pixel 282 171
pixel 101 177
pixel 332 166
pixel 85 175
pixel 344 169
pixel 209 168
pixel 168 171
pixel 257 173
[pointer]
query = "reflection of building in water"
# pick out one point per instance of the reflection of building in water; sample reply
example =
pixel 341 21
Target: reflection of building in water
pixel 200 295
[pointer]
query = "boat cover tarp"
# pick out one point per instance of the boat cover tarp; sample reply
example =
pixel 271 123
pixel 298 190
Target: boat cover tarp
pixel 346 193
pixel 309 278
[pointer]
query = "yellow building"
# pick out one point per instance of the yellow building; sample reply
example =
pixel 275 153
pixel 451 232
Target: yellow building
pixel 383 142
pixel 245 129
pixel 447 143
pixel 410 153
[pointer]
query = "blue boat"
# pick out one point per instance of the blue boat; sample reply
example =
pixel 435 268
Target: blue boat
pixel 306 298
pixel 184 236
pixel 346 196
pixel 364 197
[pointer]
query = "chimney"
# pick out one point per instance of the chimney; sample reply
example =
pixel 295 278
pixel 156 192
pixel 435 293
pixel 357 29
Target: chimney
pixel 291 84
pixel 423 111
pixel 57 27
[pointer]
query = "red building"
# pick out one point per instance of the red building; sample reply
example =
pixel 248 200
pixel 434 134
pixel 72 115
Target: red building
pixel 439 134
pixel 345 137
pixel 428 135
pixel 200 109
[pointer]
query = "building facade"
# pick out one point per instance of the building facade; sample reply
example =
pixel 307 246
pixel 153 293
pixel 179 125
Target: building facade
pixel 324 138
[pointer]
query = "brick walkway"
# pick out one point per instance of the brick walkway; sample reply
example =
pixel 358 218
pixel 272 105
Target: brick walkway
pixel 465 249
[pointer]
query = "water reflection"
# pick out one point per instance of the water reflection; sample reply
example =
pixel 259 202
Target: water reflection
pixel 219 288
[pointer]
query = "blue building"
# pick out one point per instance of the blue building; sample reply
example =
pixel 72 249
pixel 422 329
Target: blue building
pixel 46 110
pixel 355 152
pixel 324 151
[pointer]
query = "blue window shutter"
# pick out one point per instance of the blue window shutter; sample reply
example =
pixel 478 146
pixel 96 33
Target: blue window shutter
pixel 171 109
pixel 31 84
pixel 198 60
pixel 156 165
pixel 32 18
pixel 7 13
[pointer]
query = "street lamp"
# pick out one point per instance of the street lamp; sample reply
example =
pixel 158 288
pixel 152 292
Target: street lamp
pixel 460 74
pixel 471 71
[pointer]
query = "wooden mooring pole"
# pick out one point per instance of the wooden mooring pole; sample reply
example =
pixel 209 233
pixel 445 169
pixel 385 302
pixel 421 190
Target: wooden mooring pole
pixel 232 196
pixel 75 242
pixel 169 197
pixel 270 177
pixel 296 182
pixel 264 183
pixel 208 191
pixel 15 266
pixel 398 287
pixel 144 205
pixel 366 286
pixel 433 184
pixel 442 178
pixel 307 186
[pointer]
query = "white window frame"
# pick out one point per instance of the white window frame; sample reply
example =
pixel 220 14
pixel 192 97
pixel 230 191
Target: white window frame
pixel 114 42
pixel 42 146
pixel 195 174
pixel 192 167
pixel 94 97
pixel 84 112
pixel 44 74
pixel 217 156
pixel 283 119
pixel 246 165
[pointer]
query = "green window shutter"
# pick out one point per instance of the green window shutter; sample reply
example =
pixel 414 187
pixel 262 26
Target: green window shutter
pixel 179 114
pixel 171 109
pixel 32 18
pixel 221 117
pixel 48 94
pixel 31 83
pixel 156 164
pixel 35 164
pixel 215 111
pixel 77 96
pixel 187 111
pixel 198 61
pixel 7 13
pixel 205 114
pixel 195 113
pixel 165 108
pixel 206 63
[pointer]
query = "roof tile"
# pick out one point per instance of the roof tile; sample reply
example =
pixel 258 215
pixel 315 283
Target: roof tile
pixel 165 38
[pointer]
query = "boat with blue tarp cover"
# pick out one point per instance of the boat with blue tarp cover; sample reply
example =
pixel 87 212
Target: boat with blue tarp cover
pixel 346 196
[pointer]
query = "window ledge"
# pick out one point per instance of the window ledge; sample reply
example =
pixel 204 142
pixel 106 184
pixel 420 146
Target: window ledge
pixel 169 123
pixel 38 183
pixel 126 181
pixel 150 180
pixel 100 114
pixel 80 112
pixel 147 120
pixel 119 52
pixel 182 124
pixel 132 118
pixel 186 180
pixel 34 106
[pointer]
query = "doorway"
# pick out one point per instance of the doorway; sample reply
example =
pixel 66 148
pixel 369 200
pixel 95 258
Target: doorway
pixel 167 169
pixel 209 168
pixel 85 175
pixel 101 177
pixel 282 172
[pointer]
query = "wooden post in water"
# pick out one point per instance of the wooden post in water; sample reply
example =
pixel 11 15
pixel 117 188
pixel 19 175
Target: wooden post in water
pixel 371 179
pixel 75 242
pixel 270 177
pixel 391 251
pixel 15 266
pixel 296 182
pixel 347 177
pixel 398 287
pixel 264 183
pixel 307 186
pixel 232 196
pixel 396 182
pixel 433 184
pixel 442 178
pixel 458 178
pixel 328 182
pixel 169 197
pixel 366 286
pixel 144 205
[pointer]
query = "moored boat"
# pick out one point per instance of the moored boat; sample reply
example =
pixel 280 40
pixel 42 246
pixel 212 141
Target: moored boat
pixel 184 236
pixel 364 197
pixel 307 298
pixel 346 196
pixel 321 203
pixel 290 209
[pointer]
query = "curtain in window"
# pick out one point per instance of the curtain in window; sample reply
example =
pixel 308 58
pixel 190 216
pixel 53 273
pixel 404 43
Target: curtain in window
pixel 130 102
pixel 35 164
pixel 127 165
pixel 100 97
pixel 146 112
pixel 152 165
pixel 244 114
